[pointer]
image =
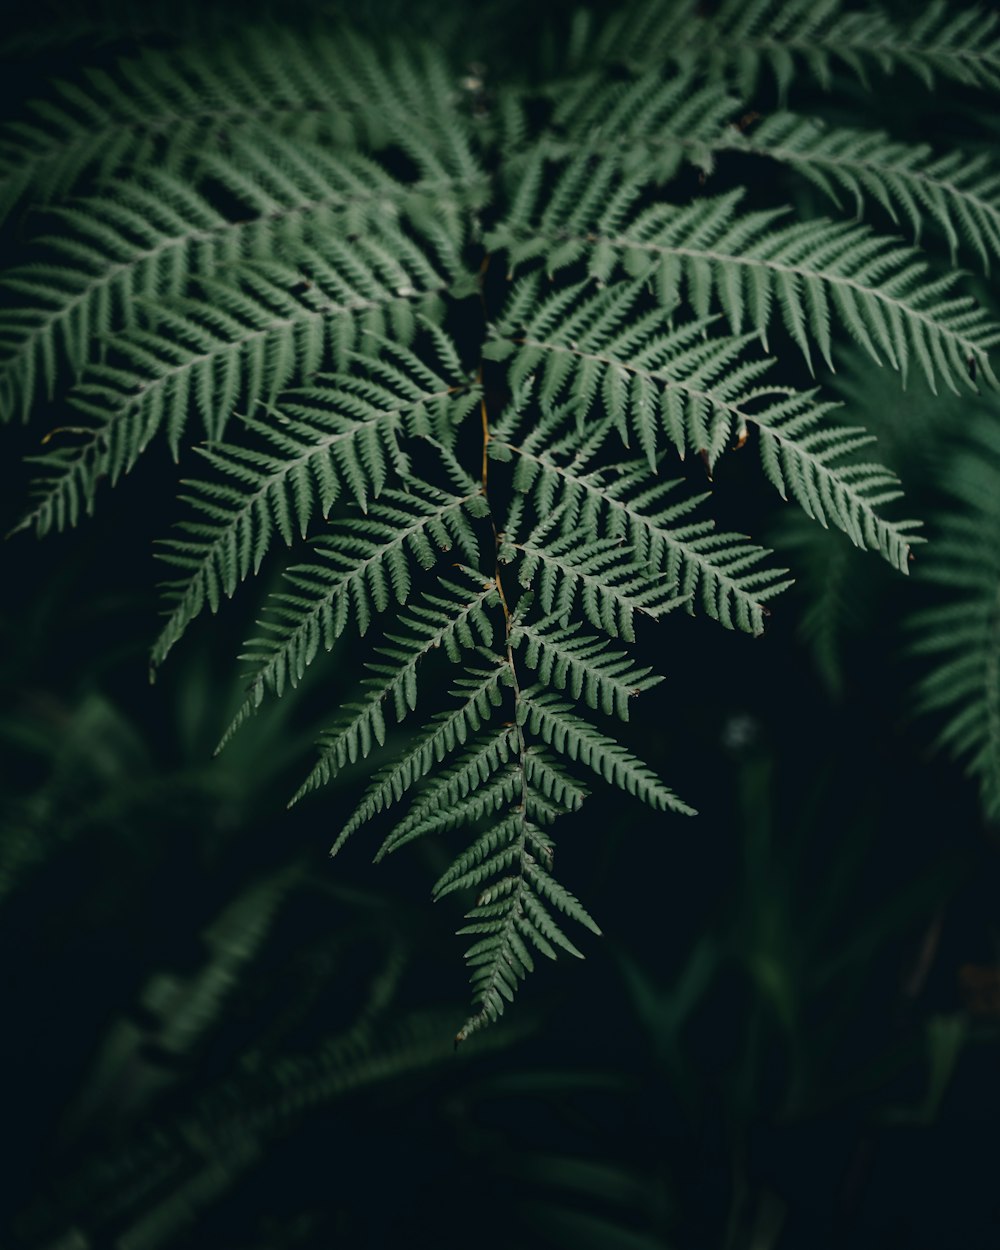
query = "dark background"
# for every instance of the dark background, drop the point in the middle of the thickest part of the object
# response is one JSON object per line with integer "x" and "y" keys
{"x": 214, "y": 1036}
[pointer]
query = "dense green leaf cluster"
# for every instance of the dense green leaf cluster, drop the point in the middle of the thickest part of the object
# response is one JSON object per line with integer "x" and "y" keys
{"x": 289, "y": 247}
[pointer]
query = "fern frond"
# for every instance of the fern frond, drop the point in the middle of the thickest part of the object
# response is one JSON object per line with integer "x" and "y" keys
{"x": 568, "y": 734}
{"x": 454, "y": 623}
{"x": 283, "y": 224}
{"x": 637, "y": 36}
{"x": 582, "y": 665}
{"x": 311, "y": 453}
{"x": 551, "y": 790}
{"x": 483, "y": 859}
{"x": 723, "y": 572}
{"x": 751, "y": 267}
{"x": 484, "y": 776}
{"x": 600, "y": 575}
{"x": 642, "y": 131}
{"x": 174, "y": 106}
{"x": 357, "y": 570}
{"x": 511, "y": 916}
{"x": 458, "y": 795}
{"x": 314, "y": 453}
{"x": 141, "y": 241}
{"x": 169, "y": 104}
{"x": 513, "y": 910}
{"x": 295, "y": 181}
{"x": 480, "y": 695}
{"x": 808, "y": 457}
{"x": 744, "y": 38}
{"x": 958, "y": 191}
{"x": 428, "y": 816}
{"x": 147, "y": 239}
{"x": 646, "y": 129}
{"x": 698, "y": 391}
{"x": 468, "y": 791}
{"x": 239, "y": 343}
{"x": 961, "y": 636}
{"x": 497, "y": 769}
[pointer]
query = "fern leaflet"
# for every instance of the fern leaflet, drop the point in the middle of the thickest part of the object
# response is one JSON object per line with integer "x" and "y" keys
{"x": 357, "y": 570}
{"x": 149, "y": 240}
{"x": 962, "y": 634}
{"x": 750, "y": 265}
{"x": 741, "y": 40}
{"x": 958, "y": 191}
{"x": 697, "y": 391}
{"x": 239, "y": 342}
{"x": 338, "y": 434}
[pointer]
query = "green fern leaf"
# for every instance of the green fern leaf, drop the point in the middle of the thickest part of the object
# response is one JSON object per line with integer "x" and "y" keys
{"x": 241, "y": 342}
{"x": 427, "y": 817}
{"x": 149, "y": 240}
{"x": 743, "y": 38}
{"x": 306, "y": 226}
{"x": 722, "y": 572}
{"x": 315, "y": 452}
{"x": 962, "y": 634}
{"x": 479, "y": 781}
{"x": 480, "y": 695}
{"x": 959, "y": 192}
{"x": 570, "y": 735}
{"x": 601, "y": 576}
{"x": 704, "y": 393}
{"x": 644, "y": 130}
{"x": 454, "y": 623}
{"x": 582, "y": 666}
{"x": 750, "y": 265}
{"x": 174, "y": 106}
{"x": 358, "y": 570}
{"x": 510, "y": 917}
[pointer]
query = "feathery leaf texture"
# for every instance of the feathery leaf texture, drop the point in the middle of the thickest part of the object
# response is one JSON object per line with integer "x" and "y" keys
{"x": 744, "y": 38}
{"x": 961, "y": 193}
{"x": 308, "y": 228}
{"x": 723, "y": 572}
{"x": 961, "y": 634}
{"x": 239, "y": 342}
{"x": 752, "y": 266}
{"x": 572, "y": 736}
{"x": 582, "y": 665}
{"x": 149, "y": 239}
{"x": 434, "y": 621}
{"x": 480, "y": 693}
{"x": 512, "y": 917}
{"x": 165, "y": 108}
{"x": 697, "y": 391}
{"x": 358, "y": 569}
{"x": 341, "y": 434}
{"x": 609, "y": 585}
{"x": 640, "y": 132}
{"x": 645, "y": 128}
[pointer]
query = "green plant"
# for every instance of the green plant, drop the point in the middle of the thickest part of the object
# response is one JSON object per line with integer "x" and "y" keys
{"x": 963, "y": 633}
{"x": 311, "y": 228}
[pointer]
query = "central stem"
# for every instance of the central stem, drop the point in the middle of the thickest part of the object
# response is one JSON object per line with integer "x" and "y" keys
{"x": 522, "y": 764}
{"x": 498, "y": 578}
{"x": 504, "y": 604}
